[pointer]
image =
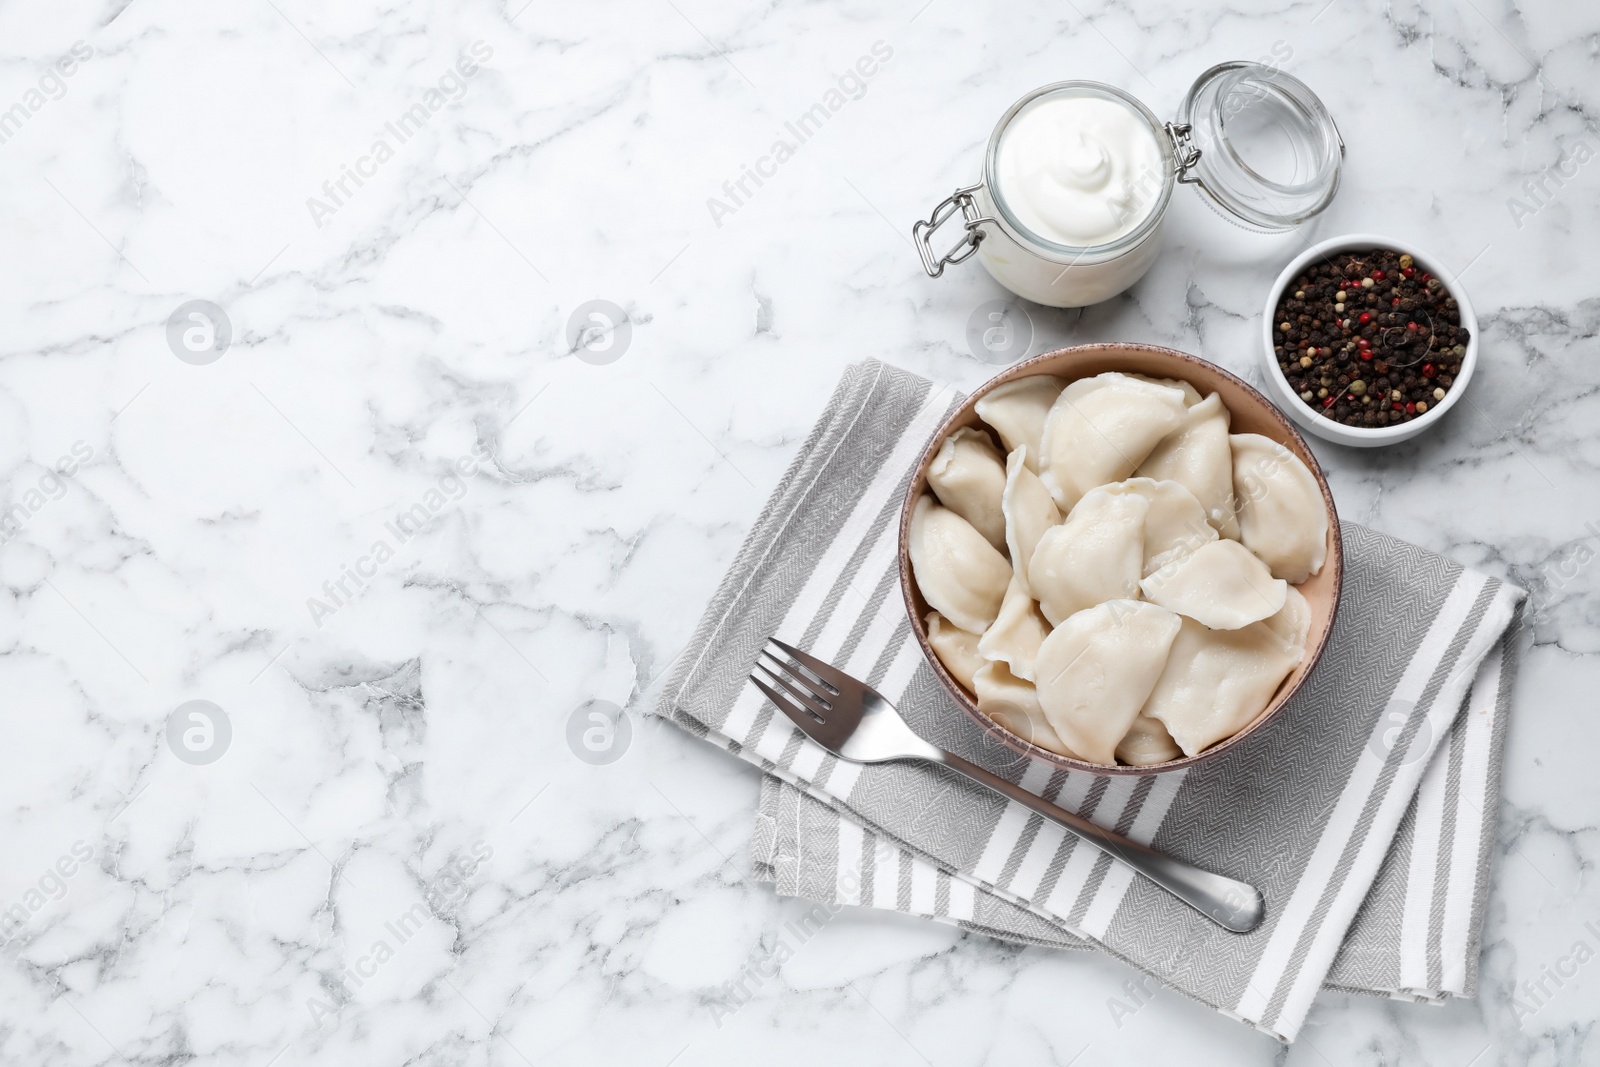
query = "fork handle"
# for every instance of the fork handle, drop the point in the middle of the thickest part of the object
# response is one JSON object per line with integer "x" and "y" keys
{"x": 1232, "y": 904}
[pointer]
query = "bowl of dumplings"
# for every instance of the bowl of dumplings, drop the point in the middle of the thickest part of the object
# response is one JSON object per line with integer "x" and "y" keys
{"x": 1119, "y": 558}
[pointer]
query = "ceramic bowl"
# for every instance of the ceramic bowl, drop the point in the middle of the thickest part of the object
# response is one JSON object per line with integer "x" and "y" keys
{"x": 1251, "y": 413}
{"x": 1338, "y": 432}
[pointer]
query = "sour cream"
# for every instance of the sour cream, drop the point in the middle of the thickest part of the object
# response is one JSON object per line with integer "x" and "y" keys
{"x": 1079, "y": 170}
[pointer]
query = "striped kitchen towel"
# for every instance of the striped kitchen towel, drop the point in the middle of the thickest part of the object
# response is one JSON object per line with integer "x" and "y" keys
{"x": 1322, "y": 810}
{"x": 1431, "y": 888}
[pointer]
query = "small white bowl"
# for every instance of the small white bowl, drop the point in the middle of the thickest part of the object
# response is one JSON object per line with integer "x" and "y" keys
{"x": 1338, "y": 432}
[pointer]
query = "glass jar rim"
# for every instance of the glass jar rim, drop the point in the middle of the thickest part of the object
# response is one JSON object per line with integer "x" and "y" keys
{"x": 1228, "y": 181}
{"x": 1053, "y": 250}
{"x": 1227, "y": 144}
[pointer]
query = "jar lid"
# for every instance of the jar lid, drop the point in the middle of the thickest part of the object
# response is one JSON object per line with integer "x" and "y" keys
{"x": 1259, "y": 144}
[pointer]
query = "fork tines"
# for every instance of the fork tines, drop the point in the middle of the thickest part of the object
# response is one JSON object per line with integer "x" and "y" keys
{"x": 804, "y": 688}
{"x": 790, "y": 690}
{"x": 824, "y": 675}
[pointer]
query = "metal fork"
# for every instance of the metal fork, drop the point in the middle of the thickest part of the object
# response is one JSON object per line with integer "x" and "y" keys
{"x": 854, "y": 722}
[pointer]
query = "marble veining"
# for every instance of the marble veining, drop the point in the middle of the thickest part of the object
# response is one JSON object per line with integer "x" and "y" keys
{"x": 432, "y": 512}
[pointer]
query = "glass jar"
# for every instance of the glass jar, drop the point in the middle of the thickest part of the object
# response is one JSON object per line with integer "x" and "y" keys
{"x": 1257, "y": 142}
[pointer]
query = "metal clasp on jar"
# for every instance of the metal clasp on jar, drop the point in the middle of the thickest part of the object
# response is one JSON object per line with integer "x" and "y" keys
{"x": 961, "y": 200}
{"x": 1185, "y": 152}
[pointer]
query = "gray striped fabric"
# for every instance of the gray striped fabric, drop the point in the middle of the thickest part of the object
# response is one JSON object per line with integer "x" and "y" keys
{"x": 1430, "y": 956}
{"x": 1308, "y": 810}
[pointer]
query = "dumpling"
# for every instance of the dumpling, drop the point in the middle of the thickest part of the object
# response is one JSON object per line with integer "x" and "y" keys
{"x": 1191, "y": 395}
{"x": 1282, "y": 518}
{"x": 1014, "y": 704}
{"x": 1096, "y": 670}
{"x": 1100, "y": 429}
{"x": 960, "y": 574}
{"x": 1016, "y": 411}
{"x": 1220, "y": 584}
{"x": 1017, "y": 632}
{"x": 1197, "y": 456}
{"x": 968, "y": 478}
{"x": 1147, "y": 743}
{"x": 1293, "y": 620}
{"x": 1028, "y": 509}
{"x": 1096, "y": 555}
{"x": 1217, "y": 681}
{"x": 956, "y": 649}
{"x": 1174, "y": 526}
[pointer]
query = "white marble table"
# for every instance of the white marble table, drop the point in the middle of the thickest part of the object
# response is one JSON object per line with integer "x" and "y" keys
{"x": 398, "y": 858}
